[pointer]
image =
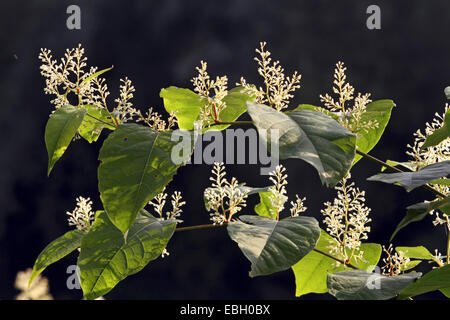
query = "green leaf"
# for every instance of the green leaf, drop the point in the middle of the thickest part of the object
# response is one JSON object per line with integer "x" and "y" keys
{"x": 441, "y": 182}
{"x": 273, "y": 246}
{"x": 434, "y": 280}
{"x": 235, "y": 107}
{"x": 105, "y": 257}
{"x": 310, "y": 136}
{"x": 311, "y": 271}
{"x": 412, "y": 180}
{"x": 407, "y": 164}
{"x": 265, "y": 208}
{"x": 188, "y": 104}
{"x": 136, "y": 165}
{"x": 419, "y": 211}
{"x": 445, "y": 292}
{"x": 185, "y": 103}
{"x": 90, "y": 129}
{"x": 56, "y": 250}
{"x": 419, "y": 252}
{"x": 379, "y": 111}
{"x": 438, "y": 135}
{"x": 363, "y": 285}
{"x": 95, "y": 75}
{"x": 60, "y": 130}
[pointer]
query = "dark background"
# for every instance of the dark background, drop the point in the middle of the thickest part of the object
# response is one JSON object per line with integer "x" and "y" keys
{"x": 158, "y": 44}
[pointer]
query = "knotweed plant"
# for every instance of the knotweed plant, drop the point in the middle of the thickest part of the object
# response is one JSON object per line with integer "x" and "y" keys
{"x": 137, "y": 164}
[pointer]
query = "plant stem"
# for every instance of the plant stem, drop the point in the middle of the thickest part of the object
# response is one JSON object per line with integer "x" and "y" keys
{"x": 210, "y": 226}
{"x": 384, "y": 164}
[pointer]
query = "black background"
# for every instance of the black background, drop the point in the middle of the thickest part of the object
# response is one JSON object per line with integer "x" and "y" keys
{"x": 158, "y": 44}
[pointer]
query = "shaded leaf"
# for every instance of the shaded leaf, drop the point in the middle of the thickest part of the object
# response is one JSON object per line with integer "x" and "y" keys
{"x": 136, "y": 165}
{"x": 273, "y": 246}
{"x": 56, "y": 250}
{"x": 60, "y": 130}
{"x": 310, "y": 136}
{"x": 412, "y": 180}
{"x": 363, "y": 285}
{"x": 105, "y": 257}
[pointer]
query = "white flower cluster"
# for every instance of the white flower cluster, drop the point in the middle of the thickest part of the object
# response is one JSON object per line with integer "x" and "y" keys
{"x": 176, "y": 202}
{"x": 394, "y": 263}
{"x": 346, "y": 219}
{"x": 82, "y": 216}
{"x": 278, "y": 198}
{"x": 278, "y": 89}
{"x": 68, "y": 77}
{"x": 349, "y": 116}
{"x": 434, "y": 154}
{"x": 38, "y": 290}
{"x": 225, "y": 198}
{"x": 203, "y": 85}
